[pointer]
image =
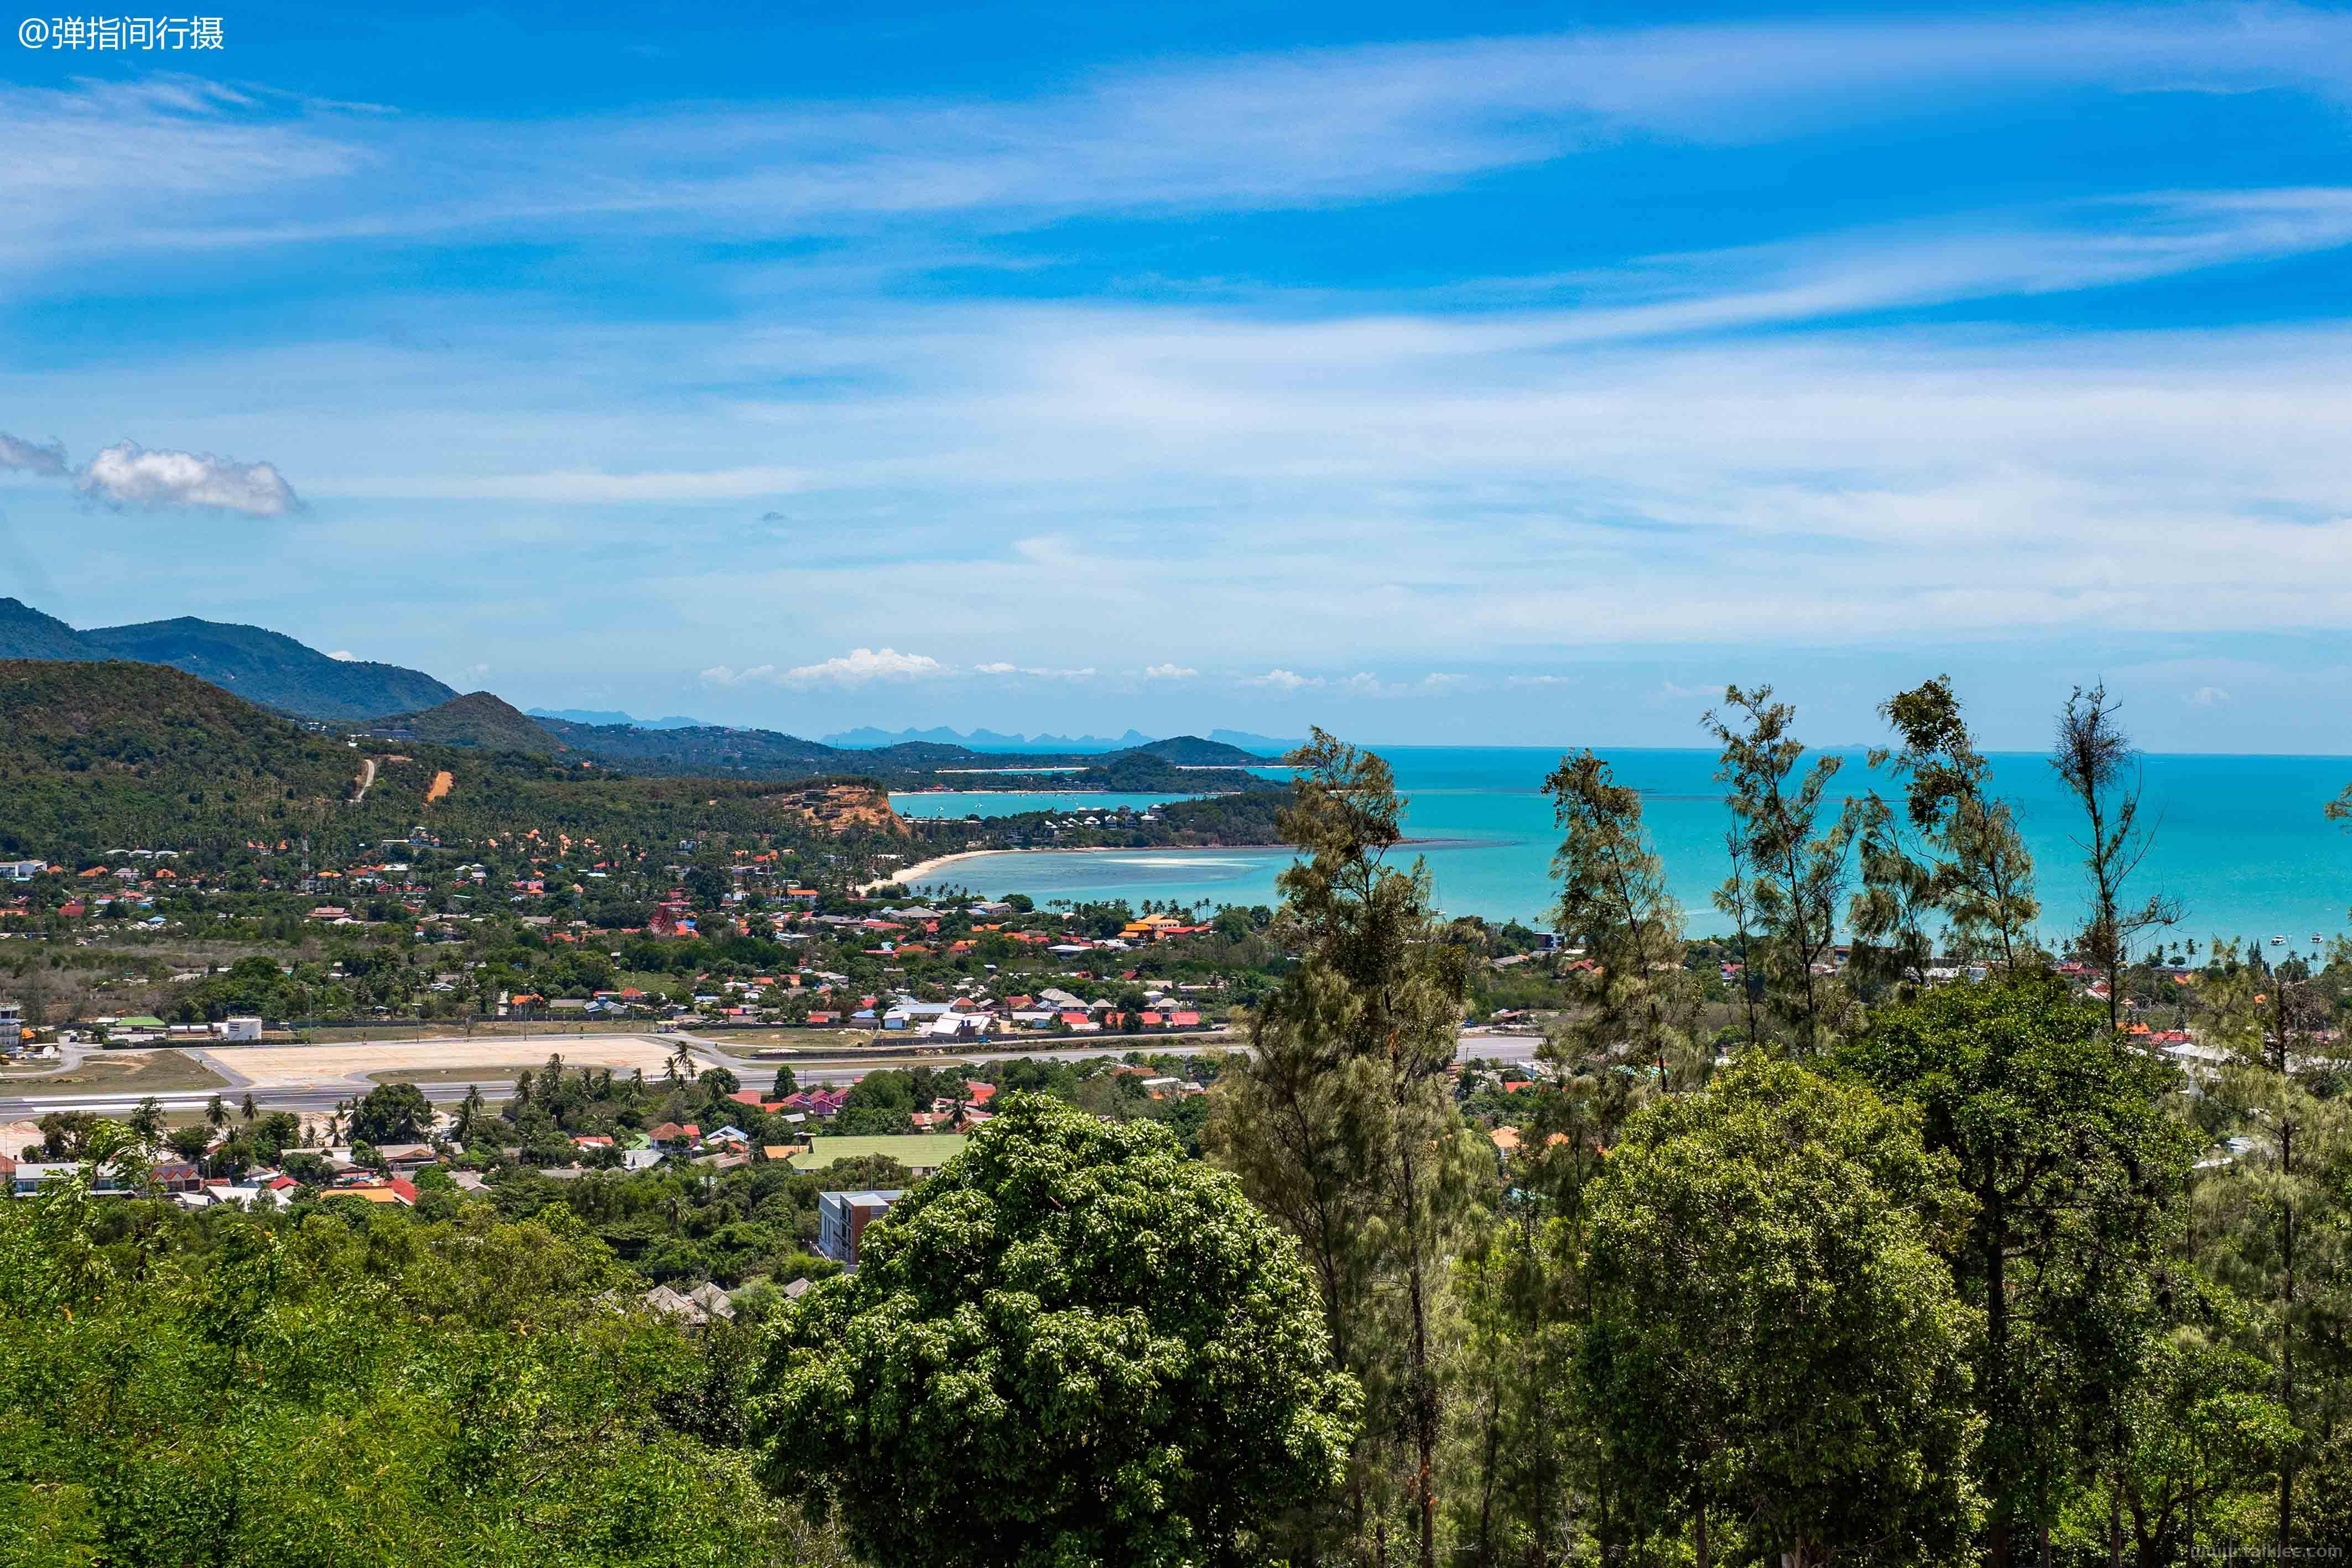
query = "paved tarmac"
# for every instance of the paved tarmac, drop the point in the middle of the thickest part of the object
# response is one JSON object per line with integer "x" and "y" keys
{"x": 325, "y": 1093}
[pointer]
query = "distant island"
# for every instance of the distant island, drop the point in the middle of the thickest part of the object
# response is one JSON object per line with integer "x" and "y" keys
{"x": 611, "y": 716}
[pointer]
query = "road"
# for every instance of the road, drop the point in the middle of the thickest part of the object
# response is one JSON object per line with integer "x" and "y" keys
{"x": 326, "y": 1094}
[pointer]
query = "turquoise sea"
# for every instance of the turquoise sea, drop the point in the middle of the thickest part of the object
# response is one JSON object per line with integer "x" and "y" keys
{"x": 2240, "y": 841}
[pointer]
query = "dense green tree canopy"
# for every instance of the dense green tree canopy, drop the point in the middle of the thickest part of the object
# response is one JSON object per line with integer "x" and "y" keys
{"x": 348, "y": 1386}
{"x": 392, "y": 1114}
{"x": 2063, "y": 1142}
{"x": 1775, "y": 1338}
{"x": 1070, "y": 1345}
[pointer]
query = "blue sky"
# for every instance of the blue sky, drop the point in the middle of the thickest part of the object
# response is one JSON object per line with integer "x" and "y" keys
{"x": 1501, "y": 373}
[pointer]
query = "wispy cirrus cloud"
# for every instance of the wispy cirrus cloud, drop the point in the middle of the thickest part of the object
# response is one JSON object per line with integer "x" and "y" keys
{"x": 586, "y": 486}
{"x": 25, "y": 456}
{"x": 1289, "y": 128}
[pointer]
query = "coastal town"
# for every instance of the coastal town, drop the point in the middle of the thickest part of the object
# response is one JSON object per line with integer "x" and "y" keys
{"x": 1238, "y": 785}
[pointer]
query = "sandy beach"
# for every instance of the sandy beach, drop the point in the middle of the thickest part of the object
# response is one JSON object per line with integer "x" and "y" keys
{"x": 920, "y": 868}
{"x": 924, "y": 868}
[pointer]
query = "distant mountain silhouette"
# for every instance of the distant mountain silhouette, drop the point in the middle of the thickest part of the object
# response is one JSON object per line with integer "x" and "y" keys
{"x": 26, "y": 634}
{"x": 264, "y": 667}
{"x": 867, "y": 737}
{"x": 612, "y": 717}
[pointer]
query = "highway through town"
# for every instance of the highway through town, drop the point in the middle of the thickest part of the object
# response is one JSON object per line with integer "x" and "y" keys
{"x": 326, "y": 1092}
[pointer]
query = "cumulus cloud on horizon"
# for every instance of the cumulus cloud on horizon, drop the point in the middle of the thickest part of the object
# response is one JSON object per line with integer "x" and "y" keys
{"x": 860, "y": 665}
{"x": 1170, "y": 672}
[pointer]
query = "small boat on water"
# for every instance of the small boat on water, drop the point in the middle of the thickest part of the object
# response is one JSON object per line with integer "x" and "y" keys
{"x": 2278, "y": 941}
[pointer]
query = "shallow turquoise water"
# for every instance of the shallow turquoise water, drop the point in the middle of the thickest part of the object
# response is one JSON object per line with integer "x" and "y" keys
{"x": 1014, "y": 802}
{"x": 2238, "y": 840}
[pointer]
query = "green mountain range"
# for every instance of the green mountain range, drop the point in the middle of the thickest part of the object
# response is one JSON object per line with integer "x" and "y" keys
{"x": 273, "y": 670}
{"x": 119, "y": 755}
{"x": 264, "y": 667}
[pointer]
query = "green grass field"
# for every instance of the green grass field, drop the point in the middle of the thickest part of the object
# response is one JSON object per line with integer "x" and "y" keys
{"x": 131, "y": 1071}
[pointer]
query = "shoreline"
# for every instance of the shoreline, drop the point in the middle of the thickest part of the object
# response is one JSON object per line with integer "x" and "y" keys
{"x": 905, "y": 874}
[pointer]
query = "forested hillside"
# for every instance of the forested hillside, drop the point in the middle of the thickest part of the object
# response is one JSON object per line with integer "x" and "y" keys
{"x": 477, "y": 719}
{"x": 97, "y": 757}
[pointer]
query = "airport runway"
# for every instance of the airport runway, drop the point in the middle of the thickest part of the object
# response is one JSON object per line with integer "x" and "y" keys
{"x": 249, "y": 1067}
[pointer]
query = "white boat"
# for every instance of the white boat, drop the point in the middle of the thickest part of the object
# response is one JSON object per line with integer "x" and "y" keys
{"x": 2278, "y": 941}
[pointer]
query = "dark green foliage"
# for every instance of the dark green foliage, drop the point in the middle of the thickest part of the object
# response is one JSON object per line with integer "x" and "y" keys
{"x": 1775, "y": 1338}
{"x": 1070, "y": 1346}
{"x": 391, "y": 1113}
{"x": 2060, "y": 1138}
{"x": 351, "y": 1386}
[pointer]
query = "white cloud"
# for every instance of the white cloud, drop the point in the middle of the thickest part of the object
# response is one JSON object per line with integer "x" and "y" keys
{"x": 1169, "y": 673}
{"x": 50, "y": 461}
{"x": 127, "y": 475}
{"x": 585, "y": 486}
{"x": 1535, "y": 681}
{"x": 727, "y": 675}
{"x": 1284, "y": 129}
{"x": 2207, "y": 697}
{"x": 998, "y": 669}
{"x": 1282, "y": 680}
{"x": 344, "y": 655}
{"x": 1364, "y": 684}
{"x": 861, "y": 665}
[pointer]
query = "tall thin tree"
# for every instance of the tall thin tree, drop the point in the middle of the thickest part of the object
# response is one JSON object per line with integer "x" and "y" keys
{"x": 1798, "y": 853}
{"x": 2093, "y": 758}
{"x": 1640, "y": 1002}
{"x": 1342, "y": 1124}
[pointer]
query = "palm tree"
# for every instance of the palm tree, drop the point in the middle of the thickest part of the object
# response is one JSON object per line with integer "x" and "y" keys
{"x": 216, "y": 1113}
{"x": 248, "y": 1110}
